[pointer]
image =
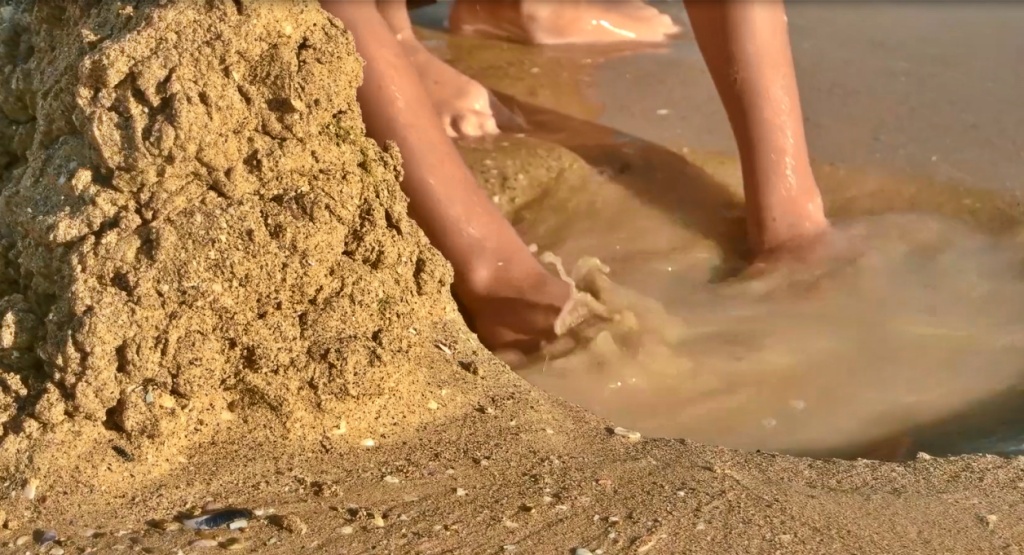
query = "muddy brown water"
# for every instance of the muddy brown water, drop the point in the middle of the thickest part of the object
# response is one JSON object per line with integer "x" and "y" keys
{"x": 913, "y": 344}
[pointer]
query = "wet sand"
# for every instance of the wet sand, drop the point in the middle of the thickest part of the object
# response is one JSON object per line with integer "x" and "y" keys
{"x": 914, "y": 88}
{"x": 467, "y": 456}
{"x": 919, "y": 332}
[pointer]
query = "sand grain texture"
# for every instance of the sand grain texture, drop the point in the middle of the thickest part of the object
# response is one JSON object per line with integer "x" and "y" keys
{"x": 207, "y": 265}
{"x": 194, "y": 226}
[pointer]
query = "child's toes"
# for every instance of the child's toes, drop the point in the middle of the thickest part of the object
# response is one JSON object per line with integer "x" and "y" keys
{"x": 474, "y": 124}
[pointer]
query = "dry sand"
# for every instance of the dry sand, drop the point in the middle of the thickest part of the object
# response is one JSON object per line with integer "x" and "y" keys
{"x": 212, "y": 295}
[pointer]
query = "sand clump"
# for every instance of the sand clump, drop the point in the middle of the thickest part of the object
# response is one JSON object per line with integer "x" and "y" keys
{"x": 195, "y": 228}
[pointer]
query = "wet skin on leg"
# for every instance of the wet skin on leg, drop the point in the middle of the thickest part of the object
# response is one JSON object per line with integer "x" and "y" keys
{"x": 511, "y": 301}
{"x": 463, "y": 104}
{"x": 747, "y": 51}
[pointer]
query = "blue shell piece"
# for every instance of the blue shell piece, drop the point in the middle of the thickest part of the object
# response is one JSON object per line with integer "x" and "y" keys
{"x": 47, "y": 536}
{"x": 216, "y": 519}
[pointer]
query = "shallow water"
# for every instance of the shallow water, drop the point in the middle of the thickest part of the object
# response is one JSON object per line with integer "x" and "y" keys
{"x": 912, "y": 341}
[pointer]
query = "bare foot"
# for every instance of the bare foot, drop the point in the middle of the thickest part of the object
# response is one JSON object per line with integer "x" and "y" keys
{"x": 464, "y": 105}
{"x": 565, "y": 22}
{"x": 826, "y": 247}
{"x": 804, "y": 266}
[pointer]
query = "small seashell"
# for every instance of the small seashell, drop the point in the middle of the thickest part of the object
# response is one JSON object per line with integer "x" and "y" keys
{"x": 22, "y": 540}
{"x": 628, "y": 434}
{"x": 217, "y": 519}
{"x": 30, "y": 489}
{"x": 167, "y": 401}
{"x": 432, "y": 405}
{"x": 391, "y": 480}
{"x": 581, "y": 551}
{"x": 346, "y": 530}
{"x": 203, "y": 542}
{"x": 238, "y": 524}
{"x": 460, "y": 492}
{"x": 378, "y": 521}
{"x": 47, "y": 536}
{"x": 368, "y": 442}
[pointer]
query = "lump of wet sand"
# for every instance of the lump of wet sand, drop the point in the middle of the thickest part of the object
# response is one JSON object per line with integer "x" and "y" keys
{"x": 192, "y": 225}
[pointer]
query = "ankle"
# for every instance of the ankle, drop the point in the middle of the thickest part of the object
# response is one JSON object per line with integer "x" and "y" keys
{"x": 797, "y": 229}
{"x": 784, "y": 207}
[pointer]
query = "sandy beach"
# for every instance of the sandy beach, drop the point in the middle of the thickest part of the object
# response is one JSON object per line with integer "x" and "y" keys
{"x": 211, "y": 296}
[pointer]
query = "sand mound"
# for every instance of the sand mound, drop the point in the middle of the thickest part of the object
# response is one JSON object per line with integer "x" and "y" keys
{"x": 195, "y": 227}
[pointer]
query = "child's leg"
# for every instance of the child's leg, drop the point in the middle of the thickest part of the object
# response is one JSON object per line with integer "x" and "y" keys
{"x": 563, "y": 21}
{"x": 510, "y": 298}
{"x": 746, "y": 47}
{"x": 462, "y": 104}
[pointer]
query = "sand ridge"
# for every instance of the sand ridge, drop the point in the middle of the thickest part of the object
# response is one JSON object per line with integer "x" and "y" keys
{"x": 199, "y": 227}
